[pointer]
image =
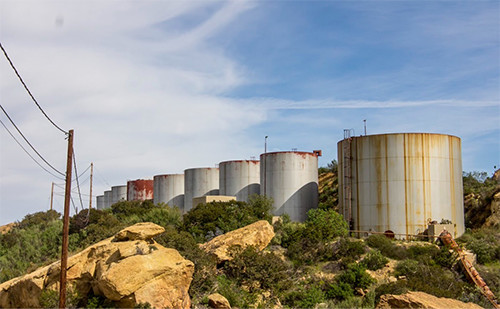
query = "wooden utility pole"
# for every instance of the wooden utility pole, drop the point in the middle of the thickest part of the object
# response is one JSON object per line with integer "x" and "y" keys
{"x": 51, "y": 196}
{"x": 64, "y": 250}
{"x": 91, "y": 174}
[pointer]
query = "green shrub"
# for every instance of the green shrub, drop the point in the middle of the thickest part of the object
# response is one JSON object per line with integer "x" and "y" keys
{"x": 394, "y": 288}
{"x": 206, "y": 221}
{"x": 41, "y": 218}
{"x": 304, "y": 297}
{"x": 325, "y": 225}
{"x": 236, "y": 296}
{"x": 338, "y": 291}
{"x": 348, "y": 248}
{"x": 257, "y": 270}
{"x": 356, "y": 276}
{"x": 374, "y": 260}
{"x": 386, "y": 246}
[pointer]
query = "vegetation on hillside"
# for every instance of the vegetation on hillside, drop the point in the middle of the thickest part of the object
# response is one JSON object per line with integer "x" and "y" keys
{"x": 306, "y": 264}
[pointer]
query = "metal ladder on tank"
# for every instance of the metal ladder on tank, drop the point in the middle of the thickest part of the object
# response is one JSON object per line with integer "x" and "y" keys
{"x": 347, "y": 183}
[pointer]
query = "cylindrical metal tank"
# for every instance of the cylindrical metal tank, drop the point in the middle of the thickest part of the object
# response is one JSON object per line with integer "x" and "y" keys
{"x": 108, "y": 199}
{"x": 100, "y": 202}
{"x": 169, "y": 189}
{"x": 400, "y": 182}
{"x": 140, "y": 190}
{"x": 118, "y": 193}
{"x": 239, "y": 178}
{"x": 199, "y": 182}
{"x": 291, "y": 179}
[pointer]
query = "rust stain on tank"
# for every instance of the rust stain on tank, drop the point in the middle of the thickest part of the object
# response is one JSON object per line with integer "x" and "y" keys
{"x": 140, "y": 189}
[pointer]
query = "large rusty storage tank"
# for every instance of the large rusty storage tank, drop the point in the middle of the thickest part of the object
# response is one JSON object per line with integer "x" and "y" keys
{"x": 118, "y": 193}
{"x": 199, "y": 182}
{"x": 107, "y": 199}
{"x": 140, "y": 190}
{"x": 239, "y": 178}
{"x": 290, "y": 178}
{"x": 401, "y": 182}
{"x": 169, "y": 189}
{"x": 100, "y": 202}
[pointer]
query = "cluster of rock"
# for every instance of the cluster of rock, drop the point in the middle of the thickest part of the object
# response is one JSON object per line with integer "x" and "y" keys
{"x": 131, "y": 268}
{"x": 422, "y": 300}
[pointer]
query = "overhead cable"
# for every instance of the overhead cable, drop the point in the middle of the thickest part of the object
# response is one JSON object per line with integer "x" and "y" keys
{"x": 11, "y": 121}
{"x": 29, "y": 153}
{"x": 29, "y": 92}
{"x": 77, "y": 178}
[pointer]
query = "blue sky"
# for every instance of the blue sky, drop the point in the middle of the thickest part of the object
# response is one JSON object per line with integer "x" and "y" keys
{"x": 156, "y": 87}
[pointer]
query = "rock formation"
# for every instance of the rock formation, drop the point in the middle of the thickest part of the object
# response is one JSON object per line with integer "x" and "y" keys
{"x": 422, "y": 300}
{"x": 218, "y": 301}
{"x": 129, "y": 269}
{"x": 258, "y": 234}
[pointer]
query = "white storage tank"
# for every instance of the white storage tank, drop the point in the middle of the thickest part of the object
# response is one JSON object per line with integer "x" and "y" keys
{"x": 240, "y": 178}
{"x": 140, "y": 190}
{"x": 199, "y": 182}
{"x": 100, "y": 202}
{"x": 400, "y": 182}
{"x": 290, "y": 178}
{"x": 107, "y": 199}
{"x": 169, "y": 189}
{"x": 118, "y": 193}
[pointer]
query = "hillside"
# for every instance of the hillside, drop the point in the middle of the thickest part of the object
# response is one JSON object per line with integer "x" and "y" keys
{"x": 305, "y": 265}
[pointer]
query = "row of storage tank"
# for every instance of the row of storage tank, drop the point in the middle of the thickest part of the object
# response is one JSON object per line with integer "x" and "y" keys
{"x": 289, "y": 178}
{"x": 396, "y": 183}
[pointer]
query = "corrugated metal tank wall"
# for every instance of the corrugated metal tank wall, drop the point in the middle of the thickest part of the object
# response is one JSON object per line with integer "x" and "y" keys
{"x": 199, "y": 182}
{"x": 108, "y": 196}
{"x": 169, "y": 189}
{"x": 140, "y": 190}
{"x": 118, "y": 193}
{"x": 240, "y": 178}
{"x": 291, "y": 180}
{"x": 100, "y": 202}
{"x": 399, "y": 182}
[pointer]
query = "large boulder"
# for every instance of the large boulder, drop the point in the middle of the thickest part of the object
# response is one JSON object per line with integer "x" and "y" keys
{"x": 422, "y": 300}
{"x": 258, "y": 234}
{"x": 218, "y": 301}
{"x": 129, "y": 269}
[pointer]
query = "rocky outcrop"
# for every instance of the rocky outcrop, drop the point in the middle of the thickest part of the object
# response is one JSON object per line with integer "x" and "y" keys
{"x": 258, "y": 234}
{"x": 129, "y": 269}
{"x": 218, "y": 301}
{"x": 422, "y": 300}
{"x": 4, "y": 229}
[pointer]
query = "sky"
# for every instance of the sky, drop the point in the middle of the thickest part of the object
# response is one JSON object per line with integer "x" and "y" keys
{"x": 156, "y": 87}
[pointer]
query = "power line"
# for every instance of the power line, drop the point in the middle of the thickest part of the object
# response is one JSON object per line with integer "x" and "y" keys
{"x": 77, "y": 179}
{"x": 11, "y": 121}
{"x": 29, "y": 92}
{"x": 29, "y": 153}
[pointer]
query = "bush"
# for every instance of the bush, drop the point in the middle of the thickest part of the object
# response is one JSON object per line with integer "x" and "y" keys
{"x": 304, "y": 297}
{"x": 352, "y": 249}
{"x": 41, "y": 219}
{"x": 325, "y": 225}
{"x": 338, "y": 291}
{"x": 374, "y": 260}
{"x": 356, "y": 276}
{"x": 485, "y": 243}
{"x": 234, "y": 294}
{"x": 257, "y": 270}
{"x": 393, "y": 288}
{"x": 386, "y": 246}
{"x": 206, "y": 221}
